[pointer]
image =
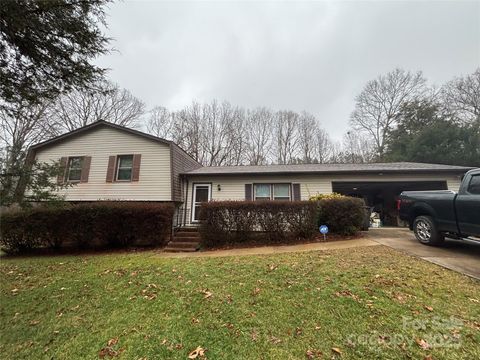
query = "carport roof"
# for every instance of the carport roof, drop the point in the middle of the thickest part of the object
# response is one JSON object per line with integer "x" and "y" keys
{"x": 394, "y": 167}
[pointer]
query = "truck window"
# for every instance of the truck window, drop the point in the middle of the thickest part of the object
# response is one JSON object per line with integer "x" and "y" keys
{"x": 474, "y": 185}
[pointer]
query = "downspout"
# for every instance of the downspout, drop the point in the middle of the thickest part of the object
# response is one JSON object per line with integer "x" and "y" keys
{"x": 185, "y": 202}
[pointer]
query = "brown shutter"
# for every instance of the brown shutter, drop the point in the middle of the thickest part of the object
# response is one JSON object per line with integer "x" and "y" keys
{"x": 85, "y": 168}
{"x": 111, "y": 168}
{"x": 296, "y": 192}
{"x": 248, "y": 192}
{"x": 137, "y": 159}
{"x": 63, "y": 167}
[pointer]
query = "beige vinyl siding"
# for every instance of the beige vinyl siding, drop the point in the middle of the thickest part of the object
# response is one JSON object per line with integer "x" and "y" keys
{"x": 155, "y": 180}
{"x": 233, "y": 187}
{"x": 181, "y": 163}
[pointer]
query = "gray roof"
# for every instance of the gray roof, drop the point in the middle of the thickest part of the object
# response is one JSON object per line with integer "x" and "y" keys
{"x": 394, "y": 167}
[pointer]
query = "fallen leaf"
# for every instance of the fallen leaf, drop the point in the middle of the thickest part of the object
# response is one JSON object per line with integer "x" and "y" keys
{"x": 255, "y": 291}
{"x": 199, "y": 352}
{"x": 337, "y": 351}
{"x": 206, "y": 294}
{"x": 312, "y": 354}
{"x": 112, "y": 342}
{"x": 429, "y": 308}
{"x": 34, "y": 322}
{"x": 275, "y": 340}
{"x": 272, "y": 267}
{"x": 474, "y": 300}
{"x": 423, "y": 344}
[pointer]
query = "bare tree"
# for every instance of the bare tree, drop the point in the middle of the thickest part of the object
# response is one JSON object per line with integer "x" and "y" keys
{"x": 161, "y": 123}
{"x": 323, "y": 146}
{"x": 19, "y": 129}
{"x": 286, "y": 136}
{"x": 259, "y": 124}
{"x": 378, "y": 104}
{"x": 357, "y": 148}
{"x": 307, "y": 137}
{"x": 461, "y": 97}
{"x": 106, "y": 102}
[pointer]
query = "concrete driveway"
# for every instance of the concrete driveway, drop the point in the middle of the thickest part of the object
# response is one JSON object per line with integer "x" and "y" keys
{"x": 461, "y": 256}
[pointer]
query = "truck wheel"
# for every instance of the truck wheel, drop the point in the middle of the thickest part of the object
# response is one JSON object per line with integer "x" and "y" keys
{"x": 426, "y": 231}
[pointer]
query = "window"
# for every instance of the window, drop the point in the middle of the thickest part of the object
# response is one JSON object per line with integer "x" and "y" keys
{"x": 272, "y": 192}
{"x": 281, "y": 191}
{"x": 262, "y": 191}
{"x": 124, "y": 167}
{"x": 474, "y": 185}
{"x": 74, "y": 168}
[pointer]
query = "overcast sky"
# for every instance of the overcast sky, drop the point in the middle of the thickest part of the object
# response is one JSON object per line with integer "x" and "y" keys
{"x": 313, "y": 56}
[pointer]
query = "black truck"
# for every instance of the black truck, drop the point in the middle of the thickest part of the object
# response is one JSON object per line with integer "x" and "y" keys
{"x": 432, "y": 215}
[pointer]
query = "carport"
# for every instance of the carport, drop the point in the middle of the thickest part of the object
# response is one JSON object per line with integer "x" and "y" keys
{"x": 382, "y": 195}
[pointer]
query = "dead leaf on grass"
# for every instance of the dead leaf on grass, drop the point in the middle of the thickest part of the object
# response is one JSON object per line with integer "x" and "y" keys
{"x": 429, "y": 308}
{"x": 256, "y": 291}
{"x": 336, "y": 350}
{"x": 274, "y": 340}
{"x": 199, "y": 352}
{"x": 312, "y": 354}
{"x": 423, "y": 344}
{"x": 206, "y": 294}
{"x": 34, "y": 322}
{"x": 112, "y": 342}
{"x": 272, "y": 267}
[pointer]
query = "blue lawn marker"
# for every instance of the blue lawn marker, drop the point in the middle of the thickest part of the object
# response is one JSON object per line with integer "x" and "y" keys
{"x": 324, "y": 230}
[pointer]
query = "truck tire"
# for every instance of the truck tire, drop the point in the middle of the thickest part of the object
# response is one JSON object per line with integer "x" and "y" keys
{"x": 426, "y": 231}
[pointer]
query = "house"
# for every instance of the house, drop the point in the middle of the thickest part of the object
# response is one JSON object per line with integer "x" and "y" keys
{"x": 112, "y": 162}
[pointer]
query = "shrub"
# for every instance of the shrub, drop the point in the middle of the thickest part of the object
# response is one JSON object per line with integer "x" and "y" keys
{"x": 342, "y": 214}
{"x": 226, "y": 222}
{"x": 326, "y": 196}
{"x": 86, "y": 225}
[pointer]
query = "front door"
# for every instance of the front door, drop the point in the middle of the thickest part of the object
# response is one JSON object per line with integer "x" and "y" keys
{"x": 201, "y": 193}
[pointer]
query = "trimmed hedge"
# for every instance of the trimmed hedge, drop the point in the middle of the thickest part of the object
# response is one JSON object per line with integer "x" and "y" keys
{"x": 226, "y": 222}
{"x": 343, "y": 215}
{"x": 97, "y": 225}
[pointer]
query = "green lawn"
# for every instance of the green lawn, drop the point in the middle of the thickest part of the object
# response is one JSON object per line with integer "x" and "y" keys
{"x": 369, "y": 303}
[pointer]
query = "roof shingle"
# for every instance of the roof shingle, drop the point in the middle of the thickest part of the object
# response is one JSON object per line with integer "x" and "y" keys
{"x": 397, "y": 167}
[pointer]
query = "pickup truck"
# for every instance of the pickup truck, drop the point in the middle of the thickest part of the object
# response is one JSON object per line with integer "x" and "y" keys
{"x": 432, "y": 215}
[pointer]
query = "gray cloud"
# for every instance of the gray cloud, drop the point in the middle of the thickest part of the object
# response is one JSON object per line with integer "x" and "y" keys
{"x": 313, "y": 56}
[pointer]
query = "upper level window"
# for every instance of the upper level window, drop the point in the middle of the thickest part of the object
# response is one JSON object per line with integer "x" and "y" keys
{"x": 272, "y": 192}
{"x": 124, "y": 167}
{"x": 281, "y": 191}
{"x": 474, "y": 185}
{"x": 262, "y": 191}
{"x": 74, "y": 169}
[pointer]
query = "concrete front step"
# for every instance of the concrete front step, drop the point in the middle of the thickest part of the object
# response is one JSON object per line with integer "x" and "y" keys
{"x": 175, "y": 249}
{"x": 186, "y": 239}
{"x": 184, "y": 244}
{"x": 187, "y": 234}
{"x": 188, "y": 229}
